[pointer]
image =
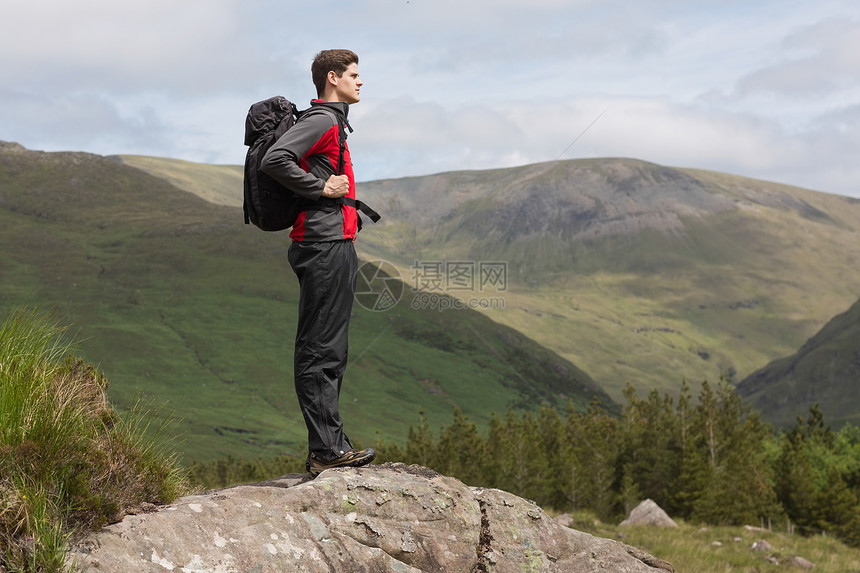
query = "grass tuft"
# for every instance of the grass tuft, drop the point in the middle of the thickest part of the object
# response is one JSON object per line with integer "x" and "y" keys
{"x": 726, "y": 549}
{"x": 68, "y": 462}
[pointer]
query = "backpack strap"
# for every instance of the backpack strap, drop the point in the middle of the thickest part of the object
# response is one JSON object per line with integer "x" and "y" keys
{"x": 321, "y": 204}
{"x": 326, "y": 203}
{"x": 341, "y": 122}
{"x": 360, "y": 206}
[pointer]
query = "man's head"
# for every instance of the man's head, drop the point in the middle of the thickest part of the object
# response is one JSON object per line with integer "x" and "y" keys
{"x": 335, "y": 75}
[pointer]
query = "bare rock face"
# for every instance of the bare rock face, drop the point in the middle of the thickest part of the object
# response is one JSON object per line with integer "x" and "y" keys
{"x": 389, "y": 517}
{"x": 649, "y": 513}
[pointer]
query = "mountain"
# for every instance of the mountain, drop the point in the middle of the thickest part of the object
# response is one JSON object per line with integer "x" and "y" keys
{"x": 219, "y": 184}
{"x": 636, "y": 272}
{"x": 825, "y": 370}
{"x": 181, "y": 304}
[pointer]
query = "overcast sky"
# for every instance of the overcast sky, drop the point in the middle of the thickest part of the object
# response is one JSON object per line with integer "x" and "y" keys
{"x": 761, "y": 88}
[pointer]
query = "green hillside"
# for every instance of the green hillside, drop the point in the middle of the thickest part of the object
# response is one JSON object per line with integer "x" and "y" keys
{"x": 826, "y": 370}
{"x": 175, "y": 299}
{"x": 219, "y": 184}
{"x": 636, "y": 272}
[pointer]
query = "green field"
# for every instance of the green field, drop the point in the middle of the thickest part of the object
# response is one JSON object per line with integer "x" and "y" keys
{"x": 176, "y": 300}
{"x": 637, "y": 273}
{"x": 723, "y": 549}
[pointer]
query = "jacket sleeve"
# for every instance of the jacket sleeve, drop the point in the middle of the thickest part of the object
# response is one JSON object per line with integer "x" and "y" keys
{"x": 281, "y": 162}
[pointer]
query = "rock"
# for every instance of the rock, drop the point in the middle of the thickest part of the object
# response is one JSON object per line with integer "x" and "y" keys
{"x": 649, "y": 513}
{"x": 565, "y": 519}
{"x": 801, "y": 563}
{"x": 762, "y": 546}
{"x": 11, "y": 147}
{"x": 389, "y": 517}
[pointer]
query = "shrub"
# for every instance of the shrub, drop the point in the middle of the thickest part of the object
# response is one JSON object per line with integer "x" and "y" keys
{"x": 68, "y": 461}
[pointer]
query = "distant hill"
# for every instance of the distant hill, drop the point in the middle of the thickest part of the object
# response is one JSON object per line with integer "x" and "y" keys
{"x": 179, "y": 302}
{"x": 219, "y": 184}
{"x": 826, "y": 370}
{"x": 635, "y": 272}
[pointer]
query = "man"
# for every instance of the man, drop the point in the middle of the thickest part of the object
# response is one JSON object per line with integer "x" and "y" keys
{"x": 312, "y": 160}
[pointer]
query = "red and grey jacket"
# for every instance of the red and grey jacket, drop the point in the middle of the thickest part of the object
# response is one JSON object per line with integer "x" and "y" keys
{"x": 303, "y": 159}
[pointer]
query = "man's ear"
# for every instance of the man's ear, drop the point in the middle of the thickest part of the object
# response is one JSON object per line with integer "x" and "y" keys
{"x": 332, "y": 78}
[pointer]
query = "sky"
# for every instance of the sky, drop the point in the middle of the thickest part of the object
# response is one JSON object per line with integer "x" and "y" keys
{"x": 762, "y": 88}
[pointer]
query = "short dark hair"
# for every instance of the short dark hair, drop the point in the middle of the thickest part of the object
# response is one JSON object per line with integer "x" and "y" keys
{"x": 336, "y": 61}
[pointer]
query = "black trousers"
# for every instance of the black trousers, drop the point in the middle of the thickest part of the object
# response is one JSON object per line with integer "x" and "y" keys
{"x": 326, "y": 273}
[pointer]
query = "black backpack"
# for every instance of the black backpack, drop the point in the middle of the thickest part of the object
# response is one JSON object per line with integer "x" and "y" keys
{"x": 268, "y": 204}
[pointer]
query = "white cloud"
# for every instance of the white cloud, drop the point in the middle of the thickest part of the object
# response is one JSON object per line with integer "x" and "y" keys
{"x": 766, "y": 88}
{"x": 414, "y": 138}
{"x": 819, "y": 59}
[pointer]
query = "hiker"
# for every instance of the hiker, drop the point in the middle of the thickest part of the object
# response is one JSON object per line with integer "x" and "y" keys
{"x": 312, "y": 160}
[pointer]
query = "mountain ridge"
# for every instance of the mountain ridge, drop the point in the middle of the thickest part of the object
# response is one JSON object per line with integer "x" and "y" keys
{"x": 638, "y": 272}
{"x": 178, "y": 301}
{"x": 823, "y": 371}
{"x": 603, "y": 239}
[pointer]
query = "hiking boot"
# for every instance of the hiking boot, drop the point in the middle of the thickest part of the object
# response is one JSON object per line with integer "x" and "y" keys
{"x": 351, "y": 459}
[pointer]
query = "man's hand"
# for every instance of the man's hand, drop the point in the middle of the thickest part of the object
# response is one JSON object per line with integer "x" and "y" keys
{"x": 336, "y": 186}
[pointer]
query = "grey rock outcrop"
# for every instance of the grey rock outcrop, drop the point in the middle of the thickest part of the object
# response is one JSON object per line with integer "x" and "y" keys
{"x": 649, "y": 513}
{"x": 762, "y": 546}
{"x": 390, "y": 517}
{"x": 801, "y": 563}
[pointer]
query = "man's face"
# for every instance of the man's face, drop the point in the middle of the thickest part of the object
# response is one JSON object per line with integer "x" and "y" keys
{"x": 348, "y": 85}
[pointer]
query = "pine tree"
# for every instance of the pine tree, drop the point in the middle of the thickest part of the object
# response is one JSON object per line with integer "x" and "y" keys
{"x": 420, "y": 446}
{"x": 795, "y": 481}
{"x": 813, "y": 471}
{"x": 459, "y": 450}
{"x": 839, "y": 510}
{"x": 522, "y": 463}
{"x": 594, "y": 447}
{"x": 558, "y": 455}
{"x": 735, "y": 479}
{"x": 494, "y": 450}
{"x": 692, "y": 477}
{"x": 650, "y": 445}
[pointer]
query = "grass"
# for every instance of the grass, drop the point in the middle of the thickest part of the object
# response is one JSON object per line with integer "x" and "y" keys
{"x": 220, "y": 184}
{"x": 725, "y": 291}
{"x": 176, "y": 300}
{"x": 710, "y": 549}
{"x": 68, "y": 462}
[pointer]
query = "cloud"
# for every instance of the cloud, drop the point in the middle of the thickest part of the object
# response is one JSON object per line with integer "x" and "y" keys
{"x": 766, "y": 89}
{"x": 93, "y": 46}
{"x": 75, "y": 122}
{"x": 404, "y": 137}
{"x": 818, "y": 59}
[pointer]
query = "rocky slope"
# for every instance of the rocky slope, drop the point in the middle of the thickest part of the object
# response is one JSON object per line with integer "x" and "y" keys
{"x": 637, "y": 272}
{"x": 824, "y": 371}
{"x": 390, "y": 517}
